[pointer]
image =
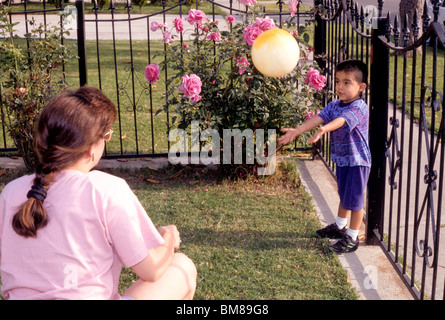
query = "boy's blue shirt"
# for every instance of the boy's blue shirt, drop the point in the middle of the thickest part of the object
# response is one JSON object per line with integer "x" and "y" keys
{"x": 349, "y": 144}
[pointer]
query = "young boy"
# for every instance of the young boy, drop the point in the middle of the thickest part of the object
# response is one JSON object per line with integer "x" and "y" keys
{"x": 347, "y": 119}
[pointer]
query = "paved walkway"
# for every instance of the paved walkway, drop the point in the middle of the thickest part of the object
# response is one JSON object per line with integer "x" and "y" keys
{"x": 369, "y": 270}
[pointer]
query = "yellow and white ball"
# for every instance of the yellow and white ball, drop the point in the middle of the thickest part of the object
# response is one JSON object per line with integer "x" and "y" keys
{"x": 275, "y": 53}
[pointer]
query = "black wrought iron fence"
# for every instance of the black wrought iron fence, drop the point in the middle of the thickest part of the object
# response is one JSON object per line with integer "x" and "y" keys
{"x": 406, "y": 186}
{"x": 114, "y": 44}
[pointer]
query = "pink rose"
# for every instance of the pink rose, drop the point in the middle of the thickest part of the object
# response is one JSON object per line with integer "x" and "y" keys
{"x": 230, "y": 19}
{"x": 293, "y": 7}
{"x": 248, "y": 2}
{"x": 196, "y": 17}
{"x": 179, "y": 25}
{"x": 156, "y": 25}
{"x": 315, "y": 79}
{"x": 311, "y": 115}
{"x": 167, "y": 37}
{"x": 152, "y": 73}
{"x": 242, "y": 63}
{"x": 215, "y": 36}
{"x": 191, "y": 87}
{"x": 251, "y": 33}
{"x": 22, "y": 91}
{"x": 264, "y": 24}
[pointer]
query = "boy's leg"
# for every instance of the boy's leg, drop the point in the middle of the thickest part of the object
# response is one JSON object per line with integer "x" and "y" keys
{"x": 356, "y": 220}
{"x": 342, "y": 216}
{"x": 355, "y": 223}
{"x": 350, "y": 242}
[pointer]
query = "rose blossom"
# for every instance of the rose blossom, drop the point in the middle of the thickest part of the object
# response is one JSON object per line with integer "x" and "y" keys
{"x": 196, "y": 17}
{"x": 230, "y": 19}
{"x": 22, "y": 91}
{"x": 311, "y": 115}
{"x": 315, "y": 79}
{"x": 152, "y": 73}
{"x": 251, "y": 33}
{"x": 156, "y": 25}
{"x": 264, "y": 24}
{"x": 167, "y": 37}
{"x": 254, "y": 30}
{"x": 179, "y": 25}
{"x": 293, "y": 7}
{"x": 191, "y": 87}
{"x": 248, "y": 2}
{"x": 242, "y": 63}
{"x": 215, "y": 36}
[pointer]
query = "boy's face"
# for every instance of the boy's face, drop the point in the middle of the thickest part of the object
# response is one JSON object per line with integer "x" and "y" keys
{"x": 347, "y": 87}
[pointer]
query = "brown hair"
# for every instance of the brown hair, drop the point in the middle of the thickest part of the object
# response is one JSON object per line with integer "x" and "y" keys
{"x": 67, "y": 127}
{"x": 358, "y": 67}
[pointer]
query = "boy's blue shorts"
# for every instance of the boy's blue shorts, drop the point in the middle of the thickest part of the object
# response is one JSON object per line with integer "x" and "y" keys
{"x": 351, "y": 183}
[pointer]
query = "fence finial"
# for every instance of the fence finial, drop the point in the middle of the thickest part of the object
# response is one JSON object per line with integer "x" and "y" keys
{"x": 425, "y": 17}
{"x": 112, "y": 6}
{"x": 95, "y": 6}
{"x": 128, "y": 6}
{"x": 381, "y": 2}
{"x": 406, "y": 31}
{"x": 415, "y": 26}
{"x": 396, "y": 31}
{"x": 388, "y": 28}
{"x": 435, "y": 10}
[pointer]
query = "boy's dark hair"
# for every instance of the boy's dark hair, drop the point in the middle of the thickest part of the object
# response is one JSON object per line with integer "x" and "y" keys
{"x": 358, "y": 67}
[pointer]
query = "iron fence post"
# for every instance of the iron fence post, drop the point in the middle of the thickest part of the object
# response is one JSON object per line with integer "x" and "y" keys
{"x": 319, "y": 38}
{"x": 379, "y": 84}
{"x": 81, "y": 44}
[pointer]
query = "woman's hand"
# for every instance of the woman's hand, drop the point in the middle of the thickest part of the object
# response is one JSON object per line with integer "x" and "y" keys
{"x": 170, "y": 233}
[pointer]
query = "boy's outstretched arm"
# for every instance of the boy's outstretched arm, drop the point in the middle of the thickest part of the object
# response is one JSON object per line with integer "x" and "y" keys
{"x": 331, "y": 126}
{"x": 292, "y": 133}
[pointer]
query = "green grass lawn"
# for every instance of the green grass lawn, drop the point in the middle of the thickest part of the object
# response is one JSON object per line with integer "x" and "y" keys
{"x": 250, "y": 239}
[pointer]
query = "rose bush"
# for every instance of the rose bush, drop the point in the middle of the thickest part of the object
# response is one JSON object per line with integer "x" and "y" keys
{"x": 31, "y": 74}
{"x": 213, "y": 81}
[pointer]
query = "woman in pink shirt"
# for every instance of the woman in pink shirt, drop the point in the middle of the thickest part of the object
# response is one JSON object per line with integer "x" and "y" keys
{"x": 66, "y": 230}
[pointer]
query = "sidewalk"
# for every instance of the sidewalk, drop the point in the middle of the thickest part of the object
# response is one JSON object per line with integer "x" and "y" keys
{"x": 369, "y": 270}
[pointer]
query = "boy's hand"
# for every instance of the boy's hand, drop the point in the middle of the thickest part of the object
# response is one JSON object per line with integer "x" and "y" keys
{"x": 317, "y": 135}
{"x": 289, "y": 136}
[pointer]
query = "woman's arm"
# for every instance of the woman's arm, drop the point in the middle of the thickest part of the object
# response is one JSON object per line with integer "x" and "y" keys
{"x": 159, "y": 258}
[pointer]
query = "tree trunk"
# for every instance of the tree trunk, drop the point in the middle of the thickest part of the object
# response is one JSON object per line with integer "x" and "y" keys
{"x": 407, "y": 9}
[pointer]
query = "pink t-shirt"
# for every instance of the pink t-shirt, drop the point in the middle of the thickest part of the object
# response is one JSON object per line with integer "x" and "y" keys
{"x": 96, "y": 224}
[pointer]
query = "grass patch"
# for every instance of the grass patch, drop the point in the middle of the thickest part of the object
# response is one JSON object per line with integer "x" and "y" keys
{"x": 250, "y": 239}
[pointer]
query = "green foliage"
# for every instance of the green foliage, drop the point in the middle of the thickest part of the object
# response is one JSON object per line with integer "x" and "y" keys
{"x": 231, "y": 99}
{"x": 32, "y": 74}
{"x": 103, "y": 4}
{"x": 140, "y": 3}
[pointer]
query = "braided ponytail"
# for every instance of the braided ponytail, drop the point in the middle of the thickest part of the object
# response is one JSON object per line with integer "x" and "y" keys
{"x": 68, "y": 125}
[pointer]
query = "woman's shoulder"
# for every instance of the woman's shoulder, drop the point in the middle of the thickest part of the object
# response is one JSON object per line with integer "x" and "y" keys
{"x": 106, "y": 182}
{"x": 101, "y": 178}
{"x": 18, "y": 184}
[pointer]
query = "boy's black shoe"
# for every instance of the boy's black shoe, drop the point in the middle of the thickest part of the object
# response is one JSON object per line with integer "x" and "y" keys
{"x": 345, "y": 245}
{"x": 331, "y": 231}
